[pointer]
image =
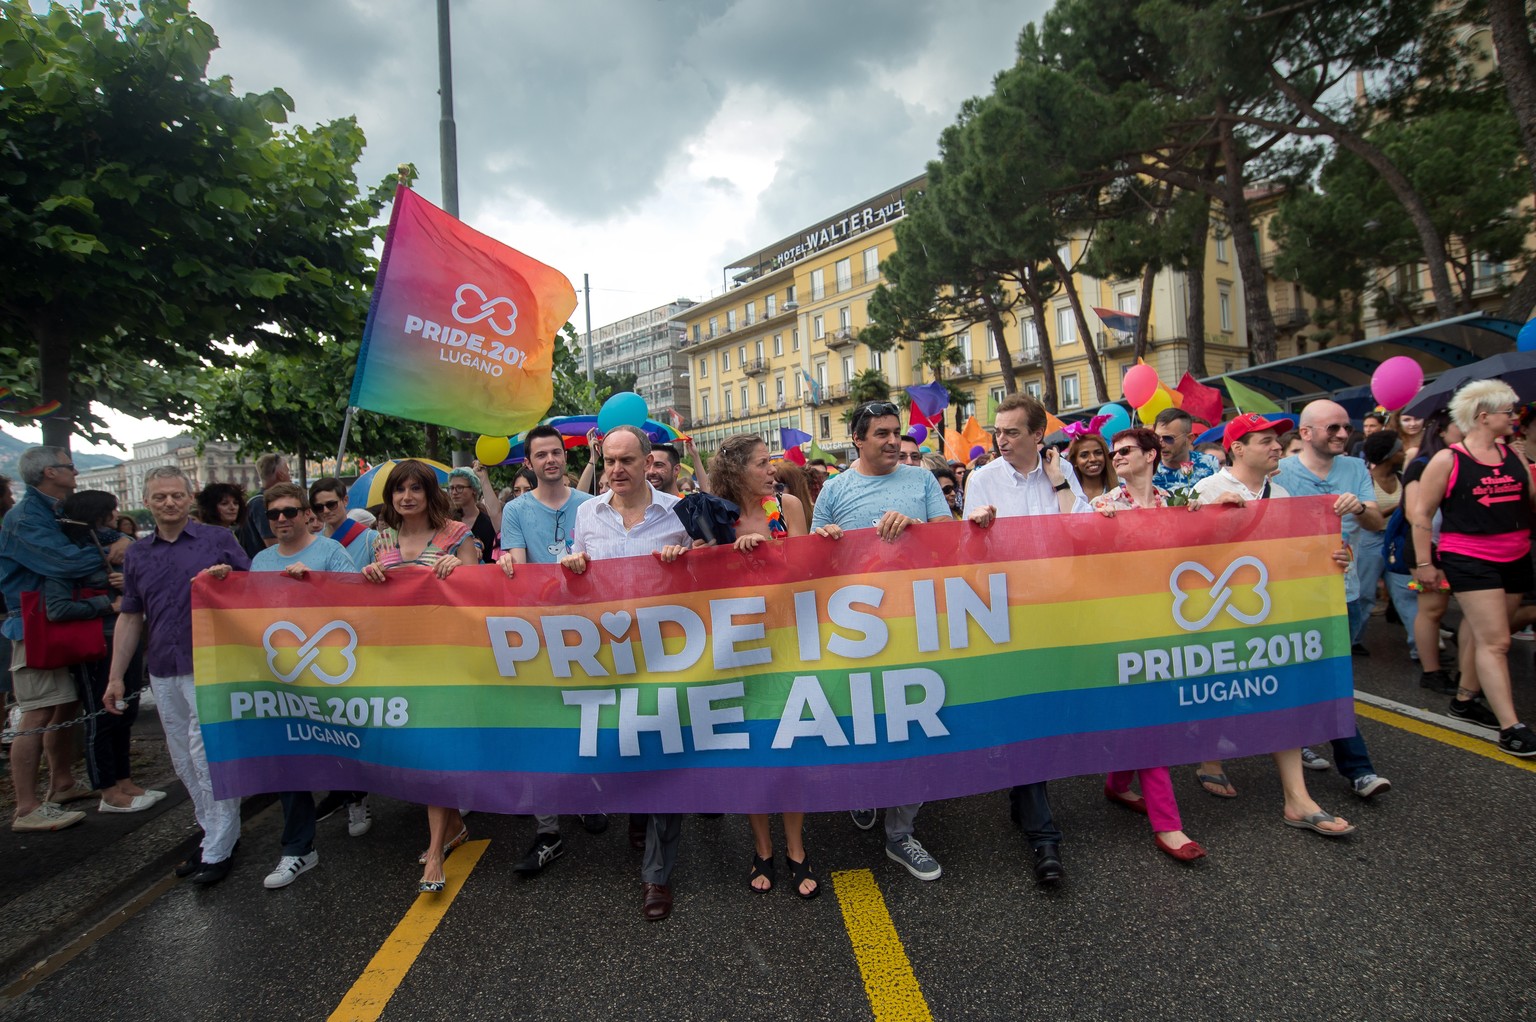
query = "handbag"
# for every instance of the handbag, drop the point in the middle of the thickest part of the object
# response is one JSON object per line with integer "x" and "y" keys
{"x": 51, "y": 644}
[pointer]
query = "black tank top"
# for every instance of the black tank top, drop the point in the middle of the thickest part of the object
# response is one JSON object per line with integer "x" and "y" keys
{"x": 1485, "y": 500}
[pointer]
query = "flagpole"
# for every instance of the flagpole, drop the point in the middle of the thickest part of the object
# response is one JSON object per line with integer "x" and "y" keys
{"x": 346, "y": 427}
{"x": 448, "y": 153}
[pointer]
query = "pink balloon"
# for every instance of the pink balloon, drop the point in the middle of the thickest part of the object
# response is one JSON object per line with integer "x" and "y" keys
{"x": 918, "y": 432}
{"x": 1139, "y": 385}
{"x": 1396, "y": 381}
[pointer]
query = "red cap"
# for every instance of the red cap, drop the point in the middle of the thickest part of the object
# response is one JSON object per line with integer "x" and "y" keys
{"x": 1253, "y": 422}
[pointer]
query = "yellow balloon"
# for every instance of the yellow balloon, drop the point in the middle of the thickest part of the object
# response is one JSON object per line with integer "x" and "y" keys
{"x": 1155, "y": 406}
{"x": 493, "y": 450}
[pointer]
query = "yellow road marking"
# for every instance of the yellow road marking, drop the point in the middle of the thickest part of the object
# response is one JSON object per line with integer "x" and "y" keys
{"x": 366, "y": 1000}
{"x": 1480, "y": 746}
{"x": 888, "y": 978}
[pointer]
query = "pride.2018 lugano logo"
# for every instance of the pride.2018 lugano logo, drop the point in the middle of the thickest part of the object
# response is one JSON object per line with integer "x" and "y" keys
{"x": 309, "y": 650}
{"x": 500, "y": 314}
{"x": 1220, "y": 592}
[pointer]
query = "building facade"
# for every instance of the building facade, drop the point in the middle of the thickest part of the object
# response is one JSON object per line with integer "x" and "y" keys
{"x": 780, "y": 348}
{"x": 215, "y": 463}
{"x": 647, "y": 344}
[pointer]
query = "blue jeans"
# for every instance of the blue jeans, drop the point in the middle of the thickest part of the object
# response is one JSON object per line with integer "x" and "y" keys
{"x": 1370, "y": 565}
{"x": 1030, "y": 808}
{"x": 1406, "y": 601}
{"x": 298, "y": 822}
{"x": 1351, "y": 756}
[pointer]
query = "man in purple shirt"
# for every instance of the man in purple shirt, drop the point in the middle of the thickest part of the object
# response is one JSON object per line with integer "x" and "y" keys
{"x": 157, "y": 592}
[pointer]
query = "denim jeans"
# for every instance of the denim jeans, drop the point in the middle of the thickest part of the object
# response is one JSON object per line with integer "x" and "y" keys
{"x": 1406, "y": 601}
{"x": 1351, "y": 757}
{"x": 1370, "y": 564}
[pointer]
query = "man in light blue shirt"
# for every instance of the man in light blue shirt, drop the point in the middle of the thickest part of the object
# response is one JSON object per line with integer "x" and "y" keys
{"x": 296, "y": 553}
{"x": 1322, "y": 468}
{"x": 878, "y": 492}
{"x": 537, "y": 527}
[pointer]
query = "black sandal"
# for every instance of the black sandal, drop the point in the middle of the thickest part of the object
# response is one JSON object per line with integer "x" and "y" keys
{"x": 761, "y": 868}
{"x": 801, "y": 872}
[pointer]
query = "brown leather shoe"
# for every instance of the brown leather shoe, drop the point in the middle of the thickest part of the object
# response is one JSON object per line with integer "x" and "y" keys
{"x": 656, "y": 902}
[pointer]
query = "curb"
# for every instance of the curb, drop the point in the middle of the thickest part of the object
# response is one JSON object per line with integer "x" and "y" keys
{"x": 51, "y": 915}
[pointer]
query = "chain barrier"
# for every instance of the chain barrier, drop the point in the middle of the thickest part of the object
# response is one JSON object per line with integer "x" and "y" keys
{"x": 61, "y": 725}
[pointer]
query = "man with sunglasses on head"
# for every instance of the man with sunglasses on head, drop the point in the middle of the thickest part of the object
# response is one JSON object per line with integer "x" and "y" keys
{"x": 1026, "y": 480}
{"x": 879, "y": 492}
{"x": 536, "y": 528}
{"x": 1180, "y": 467}
{"x": 1322, "y": 467}
{"x": 296, "y": 553}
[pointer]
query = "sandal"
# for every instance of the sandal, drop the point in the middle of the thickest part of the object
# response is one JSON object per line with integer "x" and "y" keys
{"x": 459, "y": 839}
{"x": 800, "y": 872}
{"x": 761, "y": 867}
{"x": 1220, "y": 780}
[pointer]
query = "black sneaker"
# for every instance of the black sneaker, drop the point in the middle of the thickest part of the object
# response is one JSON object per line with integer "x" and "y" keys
{"x": 329, "y": 806}
{"x": 193, "y": 863}
{"x": 1518, "y": 741}
{"x": 213, "y": 872}
{"x": 1358, "y": 649}
{"x": 594, "y": 823}
{"x": 546, "y": 849}
{"x": 1438, "y": 681}
{"x": 1473, "y": 711}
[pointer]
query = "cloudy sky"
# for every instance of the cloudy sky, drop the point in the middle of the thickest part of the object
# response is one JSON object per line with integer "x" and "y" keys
{"x": 643, "y": 142}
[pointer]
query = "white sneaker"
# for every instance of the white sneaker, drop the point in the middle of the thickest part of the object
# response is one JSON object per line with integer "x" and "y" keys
{"x": 359, "y": 819}
{"x": 288, "y": 869}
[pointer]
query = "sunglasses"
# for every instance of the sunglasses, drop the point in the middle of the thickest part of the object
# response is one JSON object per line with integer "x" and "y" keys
{"x": 326, "y": 505}
{"x": 1168, "y": 439}
{"x": 1336, "y": 428}
{"x": 274, "y": 513}
{"x": 949, "y": 491}
{"x": 875, "y": 410}
{"x": 1125, "y": 452}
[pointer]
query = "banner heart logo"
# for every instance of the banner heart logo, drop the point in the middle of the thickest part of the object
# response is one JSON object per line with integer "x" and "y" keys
{"x": 1220, "y": 593}
{"x": 309, "y": 650}
{"x": 616, "y": 623}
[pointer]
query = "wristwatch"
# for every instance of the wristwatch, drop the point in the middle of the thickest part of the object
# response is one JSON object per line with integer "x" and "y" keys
{"x": 1061, "y": 486}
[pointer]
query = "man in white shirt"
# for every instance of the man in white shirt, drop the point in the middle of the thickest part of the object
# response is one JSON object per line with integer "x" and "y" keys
{"x": 1024, "y": 480}
{"x": 630, "y": 520}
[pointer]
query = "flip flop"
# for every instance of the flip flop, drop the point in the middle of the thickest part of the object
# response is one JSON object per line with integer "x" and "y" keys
{"x": 1217, "y": 779}
{"x": 1313, "y": 821}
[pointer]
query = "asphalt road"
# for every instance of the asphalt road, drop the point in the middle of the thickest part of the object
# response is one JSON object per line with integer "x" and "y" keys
{"x": 1414, "y": 917}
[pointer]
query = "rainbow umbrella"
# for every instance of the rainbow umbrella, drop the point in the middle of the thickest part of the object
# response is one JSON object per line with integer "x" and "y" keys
{"x": 368, "y": 489}
{"x": 575, "y": 429}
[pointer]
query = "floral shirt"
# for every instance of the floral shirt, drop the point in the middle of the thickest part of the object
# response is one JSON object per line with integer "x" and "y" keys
{"x": 1120, "y": 499}
{"x": 1199, "y": 466}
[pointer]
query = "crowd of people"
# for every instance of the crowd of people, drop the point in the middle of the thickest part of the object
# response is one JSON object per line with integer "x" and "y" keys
{"x": 1429, "y": 511}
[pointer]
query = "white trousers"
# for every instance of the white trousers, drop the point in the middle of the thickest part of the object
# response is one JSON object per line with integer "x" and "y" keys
{"x": 219, "y": 818}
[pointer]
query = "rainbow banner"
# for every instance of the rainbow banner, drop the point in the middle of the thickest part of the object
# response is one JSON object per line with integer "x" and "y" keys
{"x": 812, "y": 674}
{"x": 461, "y": 330}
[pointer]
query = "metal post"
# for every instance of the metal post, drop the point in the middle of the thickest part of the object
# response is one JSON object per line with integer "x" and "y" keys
{"x": 448, "y": 153}
{"x": 586, "y": 290}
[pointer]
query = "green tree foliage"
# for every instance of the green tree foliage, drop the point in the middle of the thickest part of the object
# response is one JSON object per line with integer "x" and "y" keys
{"x": 153, "y": 218}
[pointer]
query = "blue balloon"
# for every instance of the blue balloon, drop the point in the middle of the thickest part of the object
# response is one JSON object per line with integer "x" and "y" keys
{"x": 1118, "y": 419}
{"x": 626, "y": 408}
{"x": 1525, "y": 340}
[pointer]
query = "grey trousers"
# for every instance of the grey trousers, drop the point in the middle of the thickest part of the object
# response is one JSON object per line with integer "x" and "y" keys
{"x": 663, "y": 833}
{"x": 900, "y": 821}
{"x": 547, "y": 824}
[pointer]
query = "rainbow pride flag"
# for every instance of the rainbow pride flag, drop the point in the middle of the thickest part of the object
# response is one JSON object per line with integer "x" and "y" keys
{"x": 461, "y": 329}
{"x": 811, "y": 674}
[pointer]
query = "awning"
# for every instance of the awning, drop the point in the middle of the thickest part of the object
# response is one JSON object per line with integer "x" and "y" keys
{"x": 1344, "y": 373}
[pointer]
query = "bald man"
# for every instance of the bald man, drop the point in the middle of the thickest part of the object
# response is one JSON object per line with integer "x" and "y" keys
{"x": 1322, "y": 467}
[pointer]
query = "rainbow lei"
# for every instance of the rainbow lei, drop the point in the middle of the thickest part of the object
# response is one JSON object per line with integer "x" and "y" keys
{"x": 775, "y": 515}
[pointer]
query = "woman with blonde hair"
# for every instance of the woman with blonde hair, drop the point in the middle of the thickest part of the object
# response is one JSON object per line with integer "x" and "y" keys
{"x": 793, "y": 479}
{"x": 1482, "y": 489}
{"x": 741, "y": 473}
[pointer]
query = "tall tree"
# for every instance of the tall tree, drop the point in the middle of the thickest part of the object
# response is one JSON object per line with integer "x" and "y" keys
{"x": 152, "y": 215}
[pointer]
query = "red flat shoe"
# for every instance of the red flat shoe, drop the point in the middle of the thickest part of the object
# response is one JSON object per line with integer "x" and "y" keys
{"x": 1187, "y": 852}
{"x": 1135, "y": 805}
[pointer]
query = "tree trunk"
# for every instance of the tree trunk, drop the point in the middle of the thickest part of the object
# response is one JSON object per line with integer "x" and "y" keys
{"x": 1261, "y": 322}
{"x": 1194, "y": 316}
{"x": 1517, "y": 65}
{"x": 1144, "y": 309}
{"x": 1519, "y": 302}
{"x": 1095, "y": 367}
{"x": 303, "y": 466}
{"x": 1435, "y": 255}
{"x": 1029, "y": 282}
{"x": 1004, "y": 356}
{"x": 54, "y": 355}
{"x": 432, "y": 443}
